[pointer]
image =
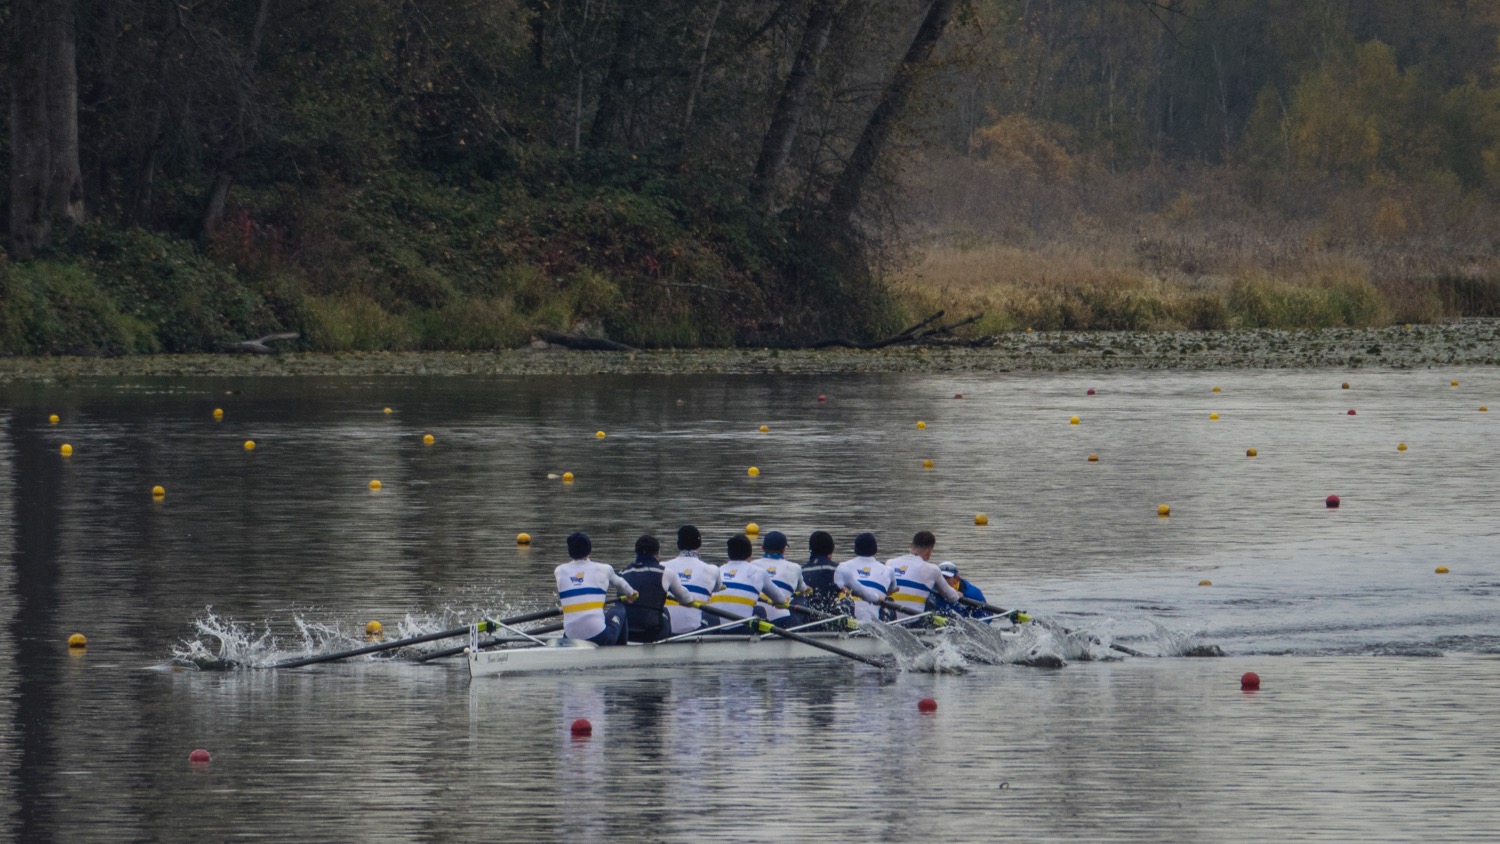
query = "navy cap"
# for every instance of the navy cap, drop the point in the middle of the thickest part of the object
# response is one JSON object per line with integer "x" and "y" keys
{"x": 864, "y": 545}
{"x": 773, "y": 542}
{"x": 579, "y": 545}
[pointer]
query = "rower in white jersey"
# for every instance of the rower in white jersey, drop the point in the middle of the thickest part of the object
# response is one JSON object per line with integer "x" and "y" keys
{"x": 700, "y": 579}
{"x": 582, "y": 586}
{"x": 786, "y": 574}
{"x": 864, "y": 577}
{"x": 914, "y": 579}
{"x": 744, "y": 584}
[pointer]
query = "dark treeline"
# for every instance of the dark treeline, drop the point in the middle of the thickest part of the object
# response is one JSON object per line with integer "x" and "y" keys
{"x": 462, "y": 173}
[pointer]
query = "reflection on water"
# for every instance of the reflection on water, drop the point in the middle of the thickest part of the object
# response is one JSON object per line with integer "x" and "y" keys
{"x": 1339, "y": 745}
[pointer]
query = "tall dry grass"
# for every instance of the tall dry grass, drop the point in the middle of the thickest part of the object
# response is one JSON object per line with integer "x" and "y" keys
{"x": 1199, "y": 248}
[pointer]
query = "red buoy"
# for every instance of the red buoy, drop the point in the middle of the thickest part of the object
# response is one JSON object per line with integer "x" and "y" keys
{"x": 1351, "y": 411}
{"x": 582, "y": 727}
{"x": 200, "y": 756}
{"x": 1250, "y": 681}
{"x": 1091, "y": 391}
{"x": 1331, "y": 502}
{"x": 958, "y": 395}
{"x": 822, "y": 397}
{"x": 926, "y": 704}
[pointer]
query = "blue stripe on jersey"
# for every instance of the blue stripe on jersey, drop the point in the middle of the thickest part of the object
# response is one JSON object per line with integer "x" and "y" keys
{"x": 912, "y": 584}
{"x": 784, "y": 587}
{"x": 582, "y": 590}
{"x": 743, "y": 587}
{"x": 878, "y": 587}
{"x": 697, "y": 590}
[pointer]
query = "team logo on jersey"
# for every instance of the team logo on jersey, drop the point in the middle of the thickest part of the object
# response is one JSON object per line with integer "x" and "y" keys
{"x": 686, "y": 577}
{"x": 576, "y": 578}
{"x": 771, "y": 570}
{"x": 729, "y": 572}
{"x": 900, "y": 569}
{"x": 865, "y": 571}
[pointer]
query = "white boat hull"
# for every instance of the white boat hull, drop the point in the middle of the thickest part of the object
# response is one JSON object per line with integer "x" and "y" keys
{"x": 703, "y": 650}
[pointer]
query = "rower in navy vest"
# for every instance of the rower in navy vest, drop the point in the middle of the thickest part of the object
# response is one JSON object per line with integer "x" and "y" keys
{"x": 648, "y": 612}
{"x": 823, "y": 594}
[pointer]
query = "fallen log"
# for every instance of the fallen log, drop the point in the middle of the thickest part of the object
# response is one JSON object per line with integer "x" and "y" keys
{"x": 587, "y": 344}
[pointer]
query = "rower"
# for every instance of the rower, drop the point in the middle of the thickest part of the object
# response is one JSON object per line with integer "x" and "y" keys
{"x": 786, "y": 574}
{"x": 582, "y": 585}
{"x": 817, "y": 575}
{"x": 943, "y": 606}
{"x": 865, "y": 577}
{"x": 915, "y": 579}
{"x": 744, "y": 583}
{"x": 647, "y": 614}
{"x": 700, "y": 579}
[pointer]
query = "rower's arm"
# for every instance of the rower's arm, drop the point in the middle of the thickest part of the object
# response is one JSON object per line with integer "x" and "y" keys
{"x": 622, "y": 586}
{"x": 674, "y": 587}
{"x": 949, "y": 594}
{"x": 777, "y": 595}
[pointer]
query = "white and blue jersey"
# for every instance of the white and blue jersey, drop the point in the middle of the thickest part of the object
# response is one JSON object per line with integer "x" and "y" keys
{"x": 868, "y": 580}
{"x": 582, "y": 586}
{"x": 914, "y": 580}
{"x": 700, "y": 579}
{"x": 744, "y": 583}
{"x": 787, "y": 576}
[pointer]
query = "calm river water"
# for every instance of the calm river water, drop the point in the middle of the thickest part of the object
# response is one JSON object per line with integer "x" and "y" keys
{"x": 1376, "y": 721}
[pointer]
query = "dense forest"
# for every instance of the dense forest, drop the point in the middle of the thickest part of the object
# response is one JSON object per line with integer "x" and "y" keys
{"x": 461, "y": 174}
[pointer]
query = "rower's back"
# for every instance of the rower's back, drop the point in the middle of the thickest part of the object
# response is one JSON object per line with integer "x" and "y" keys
{"x": 698, "y": 578}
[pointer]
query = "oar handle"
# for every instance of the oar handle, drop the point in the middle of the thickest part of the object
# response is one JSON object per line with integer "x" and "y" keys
{"x": 981, "y": 605}
{"x": 892, "y": 605}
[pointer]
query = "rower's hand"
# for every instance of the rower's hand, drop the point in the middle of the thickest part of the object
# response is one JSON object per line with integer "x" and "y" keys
{"x": 784, "y": 605}
{"x": 698, "y": 605}
{"x": 629, "y": 599}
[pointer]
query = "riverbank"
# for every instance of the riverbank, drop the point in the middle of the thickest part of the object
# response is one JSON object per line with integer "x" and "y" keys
{"x": 1475, "y": 342}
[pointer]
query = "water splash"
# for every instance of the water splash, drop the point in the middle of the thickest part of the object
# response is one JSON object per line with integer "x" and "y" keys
{"x": 221, "y": 644}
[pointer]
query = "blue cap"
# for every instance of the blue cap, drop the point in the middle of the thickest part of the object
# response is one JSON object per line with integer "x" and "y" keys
{"x": 773, "y": 542}
{"x": 579, "y": 545}
{"x": 864, "y": 545}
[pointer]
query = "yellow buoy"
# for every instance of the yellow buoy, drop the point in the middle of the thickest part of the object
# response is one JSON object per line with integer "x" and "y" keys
{"x": 1217, "y": 390}
{"x": 752, "y": 529}
{"x": 428, "y": 439}
{"x": 53, "y": 419}
{"x": 1073, "y": 421}
{"x": 158, "y": 491}
{"x": 921, "y": 425}
{"x": 567, "y": 477}
{"x": 927, "y": 464}
{"x": 78, "y": 640}
{"x": 1093, "y": 458}
{"x": 1345, "y": 386}
{"x": 1250, "y": 452}
{"x": 67, "y": 450}
{"x": 374, "y": 485}
{"x": 1440, "y": 570}
{"x": 249, "y": 445}
{"x": 981, "y": 519}
{"x": 1028, "y": 329}
{"x": 1163, "y": 511}
{"x": 1453, "y": 383}
{"x": 1205, "y": 583}
{"x": 1213, "y": 417}
{"x": 765, "y": 429}
{"x": 752, "y": 472}
{"x": 523, "y": 538}
{"x": 1400, "y": 446}
{"x": 218, "y": 413}
{"x": 388, "y": 410}
{"x": 373, "y": 630}
{"x": 598, "y": 435}
{"x": 1483, "y": 409}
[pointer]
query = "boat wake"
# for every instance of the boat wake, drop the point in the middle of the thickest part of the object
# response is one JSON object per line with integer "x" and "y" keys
{"x": 222, "y": 643}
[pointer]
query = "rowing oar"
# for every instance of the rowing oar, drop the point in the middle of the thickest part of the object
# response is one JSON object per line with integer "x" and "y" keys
{"x": 550, "y": 628}
{"x": 997, "y": 611}
{"x": 484, "y": 626}
{"x": 762, "y": 626}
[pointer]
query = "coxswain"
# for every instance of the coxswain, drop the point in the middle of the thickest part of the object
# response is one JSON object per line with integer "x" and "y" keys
{"x": 700, "y": 579}
{"x": 915, "y": 578}
{"x": 817, "y": 575}
{"x": 744, "y": 584}
{"x": 944, "y": 606}
{"x": 647, "y": 614}
{"x": 864, "y": 577}
{"x": 582, "y": 586}
{"x": 786, "y": 574}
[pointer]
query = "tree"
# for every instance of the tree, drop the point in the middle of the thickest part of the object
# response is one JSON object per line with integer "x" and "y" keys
{"x": 46, "y": 182}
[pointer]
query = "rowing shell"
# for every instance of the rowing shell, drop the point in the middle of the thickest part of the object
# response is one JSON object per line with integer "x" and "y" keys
{"x": 717, "y": 649}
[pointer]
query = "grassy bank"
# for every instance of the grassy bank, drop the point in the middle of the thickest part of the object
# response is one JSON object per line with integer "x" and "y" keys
{"x": 1084, "y": 248}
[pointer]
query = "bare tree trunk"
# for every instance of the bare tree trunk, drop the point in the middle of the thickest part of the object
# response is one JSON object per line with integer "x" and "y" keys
{"x": 621, "y": 63}
{"x": 46, "y": 180}
{"x": 218, "y": 196}
{"x": 844, "y": 199}
{"x": 708, "y": 37}
{"x": 776, "y": 146}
